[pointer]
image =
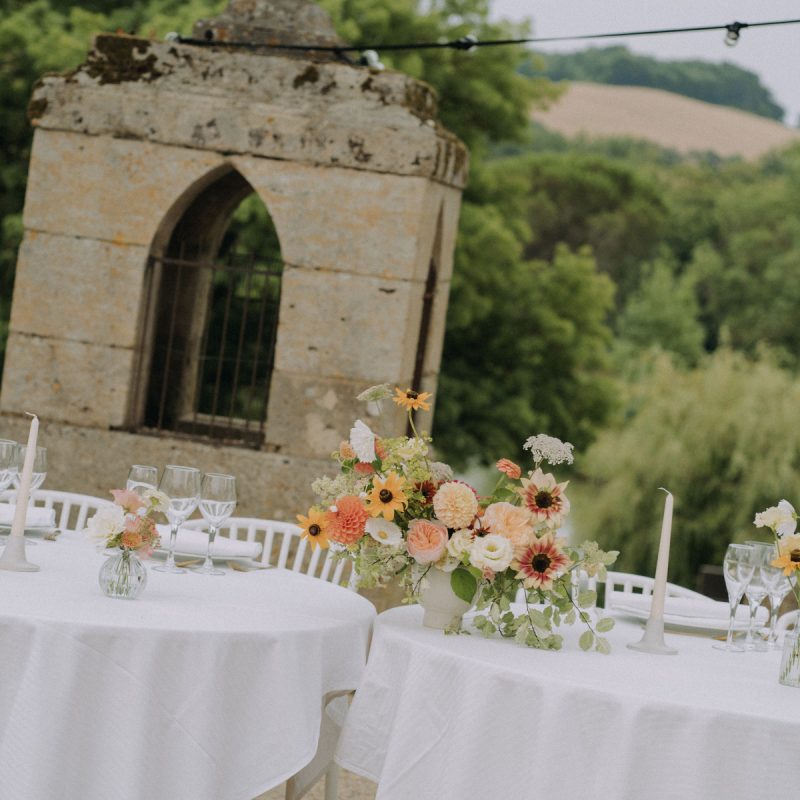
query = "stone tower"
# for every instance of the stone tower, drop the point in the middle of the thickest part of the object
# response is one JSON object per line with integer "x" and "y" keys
{"x": 139, "y": 157}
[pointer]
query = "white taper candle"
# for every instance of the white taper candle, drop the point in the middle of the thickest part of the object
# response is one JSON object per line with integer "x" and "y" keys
{"x": 20, "y": 512}
{"x": 660, "y": 587}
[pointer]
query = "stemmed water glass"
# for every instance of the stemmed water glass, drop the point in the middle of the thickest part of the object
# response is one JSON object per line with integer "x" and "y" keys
{"x": 217, "y": 503}
{"x": 39, "y": 468}
{"x": 777, "y": 585}
{"x": 8, "y": 465}
{"x": 758, "y": 588}
{"x": 737, "y": 567}
{"x": 140, "y": 478}
{"x": 182, "y": 486}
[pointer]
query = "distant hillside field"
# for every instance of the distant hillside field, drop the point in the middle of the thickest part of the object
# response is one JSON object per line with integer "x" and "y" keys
{"x": 670, "y": 120}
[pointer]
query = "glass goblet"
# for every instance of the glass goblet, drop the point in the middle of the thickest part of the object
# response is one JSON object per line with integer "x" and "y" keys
{"x": 39, "y": 468}
{"x": 141, "y": 477}
{"x": 8, "y": 465}
{"x": 757, "y": 590}
{"x": 737, "y": 568}
{"x": 217, "y": 503}
{"x": 182, "y": 486}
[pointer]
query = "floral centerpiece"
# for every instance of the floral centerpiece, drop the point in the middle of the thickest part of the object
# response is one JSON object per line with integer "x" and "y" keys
{"x": 128, "y": 526}
{"x": 398, "y": 513}
{"x": 782, "y": 521}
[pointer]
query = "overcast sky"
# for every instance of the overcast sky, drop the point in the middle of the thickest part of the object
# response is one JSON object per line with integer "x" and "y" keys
{"x": 773, "y": 52}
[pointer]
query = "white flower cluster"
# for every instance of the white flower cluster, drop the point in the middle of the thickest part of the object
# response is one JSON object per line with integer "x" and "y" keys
{"x": 781, "y": 518}
{"x": 329, "y": 489}
{"x": 549, "y": 449}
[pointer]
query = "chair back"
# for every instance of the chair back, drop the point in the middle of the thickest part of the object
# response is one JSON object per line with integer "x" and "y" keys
{"x": 620, "y": 585}
{"x": 72, "y": 509}
{"x": 283, "y": 547}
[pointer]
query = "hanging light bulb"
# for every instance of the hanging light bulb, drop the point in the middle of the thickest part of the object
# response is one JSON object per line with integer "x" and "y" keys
{"x": 732, "y": 33}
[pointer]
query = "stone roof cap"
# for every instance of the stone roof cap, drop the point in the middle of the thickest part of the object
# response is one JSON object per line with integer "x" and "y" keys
{"x": 270, "y": 22}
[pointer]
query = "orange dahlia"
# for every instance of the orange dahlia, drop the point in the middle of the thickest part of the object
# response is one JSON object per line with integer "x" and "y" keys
{"x": 387, "y": 496}
{"x": 346, "y": 520}
{"x": 314, "y": 528}
{"x": 411, "y": 400}
{"x": 541, "y": 563}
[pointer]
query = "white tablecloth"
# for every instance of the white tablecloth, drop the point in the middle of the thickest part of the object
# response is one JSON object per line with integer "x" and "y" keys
{"x": 202, "y": 688}
{"x": 443, "y": 717}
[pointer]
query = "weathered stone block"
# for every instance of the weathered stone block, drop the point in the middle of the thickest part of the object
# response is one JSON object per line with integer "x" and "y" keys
{"x": 108, "y": 189}
{"x": 309, "y": 416}
{"x": 85, "y": 384}
{"x": 345, "y": 220}
{"x": 338, "y": 325}
{"x": 79, "y": 289}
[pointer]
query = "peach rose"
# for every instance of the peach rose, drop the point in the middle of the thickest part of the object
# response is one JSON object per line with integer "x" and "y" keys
{"x": 426, "y": 541}
{"x": 512, "y": 522}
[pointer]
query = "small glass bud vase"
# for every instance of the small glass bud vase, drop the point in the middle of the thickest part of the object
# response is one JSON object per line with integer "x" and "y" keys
{"x": 123, "y": 575}
{"x": 790, "y": 662}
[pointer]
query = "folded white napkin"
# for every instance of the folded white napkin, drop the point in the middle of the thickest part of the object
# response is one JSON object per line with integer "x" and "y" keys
{"x": 196, "y": 543}
{"x": 35, "y": 518}
{"x": 691, "y": 607}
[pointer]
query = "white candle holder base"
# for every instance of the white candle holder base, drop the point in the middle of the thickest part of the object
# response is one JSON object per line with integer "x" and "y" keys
{"x": 652, "y": 640}
{"x": 13, "y": 557}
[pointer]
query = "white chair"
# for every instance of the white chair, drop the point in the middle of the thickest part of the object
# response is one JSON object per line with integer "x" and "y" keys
{"x": 788, "y": 620}
{"x": 284, "y": 548}
{"x": 622, "y": 585}
{"x": 72, "y": 509}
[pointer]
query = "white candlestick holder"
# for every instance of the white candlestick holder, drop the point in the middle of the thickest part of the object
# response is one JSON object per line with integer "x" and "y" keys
{"x": 652, "y": 640}
{"x": 13, "y": 557}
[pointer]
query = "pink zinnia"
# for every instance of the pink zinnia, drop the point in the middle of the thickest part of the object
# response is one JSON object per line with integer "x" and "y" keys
{"x": 509, "y": 468}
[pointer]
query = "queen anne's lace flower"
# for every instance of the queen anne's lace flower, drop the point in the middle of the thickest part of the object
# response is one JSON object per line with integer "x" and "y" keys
{"x": 549, "y": 449}
{"x": 781, "y": 518}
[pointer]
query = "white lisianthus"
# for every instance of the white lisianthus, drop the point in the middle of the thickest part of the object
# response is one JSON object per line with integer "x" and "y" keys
{"x": 781, "y": 518}
{"x": 460, "y": 542}
{"x": 493, "y": 552}
{"x": 157, "y": 500}
{"x": 106, "y": 523}
{"x": 362, "y": 440}
{"x": 384, "y": 532}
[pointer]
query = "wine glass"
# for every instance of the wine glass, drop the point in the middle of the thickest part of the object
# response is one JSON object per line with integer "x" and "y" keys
{"x": 758, "y": 588}
{"x": 8, "y": 466}
{"x": 217, "y": 503}
{"x": 182, "y": 486}
{"x": 140, "y": 478}
{"x": 39, "y": 468}
{"x": 8, "y": 463}
{"x": 737, "y": 567}
{"x": 777, "y": 585}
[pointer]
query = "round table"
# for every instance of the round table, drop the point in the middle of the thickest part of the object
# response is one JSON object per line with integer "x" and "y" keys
{"x": 466, "y": 717}
{"x": 203, "y": 687}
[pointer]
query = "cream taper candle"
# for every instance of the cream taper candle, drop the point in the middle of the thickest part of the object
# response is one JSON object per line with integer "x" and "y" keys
{"x": 660, "y": 586}
{"x": 21, "y": 510}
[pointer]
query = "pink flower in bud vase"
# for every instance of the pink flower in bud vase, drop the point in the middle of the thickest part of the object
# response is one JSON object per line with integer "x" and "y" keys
{"x": 130, "y": 501}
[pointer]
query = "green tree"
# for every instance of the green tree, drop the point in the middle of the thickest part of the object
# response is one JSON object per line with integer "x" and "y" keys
{"x": 663, "y": 312}
{"x": 723, "y": 438}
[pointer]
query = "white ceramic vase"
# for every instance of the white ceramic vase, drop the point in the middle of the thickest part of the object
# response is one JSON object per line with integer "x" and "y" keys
{"x": 442, "y": 606}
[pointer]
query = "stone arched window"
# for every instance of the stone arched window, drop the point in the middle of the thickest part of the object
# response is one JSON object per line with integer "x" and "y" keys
{"x": 210, "y": 321}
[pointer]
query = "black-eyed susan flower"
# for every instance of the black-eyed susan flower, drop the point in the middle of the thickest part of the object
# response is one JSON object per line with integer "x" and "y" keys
{"x": 387, "y": 496}
{"x": 314, "y": 528}
{"x": 411, "y": 400}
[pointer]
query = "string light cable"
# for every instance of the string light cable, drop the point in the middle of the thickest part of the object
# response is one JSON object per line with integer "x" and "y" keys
{"x": 368, "y": 54}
